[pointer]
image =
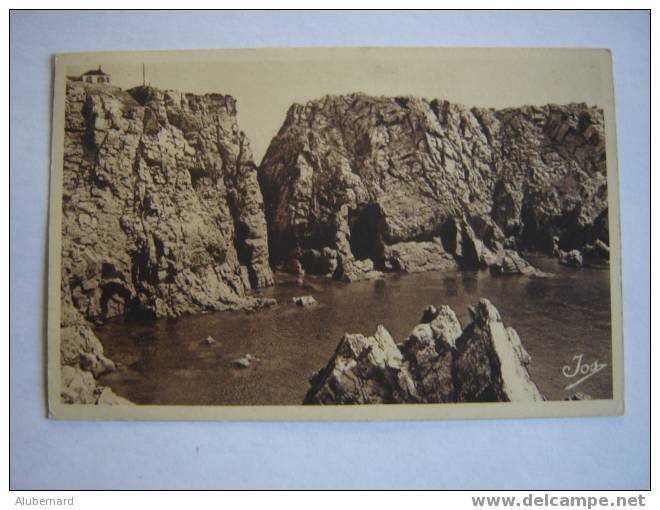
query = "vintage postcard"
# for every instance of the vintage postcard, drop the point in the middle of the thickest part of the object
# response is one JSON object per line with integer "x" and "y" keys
{"x": 334, "y": 234}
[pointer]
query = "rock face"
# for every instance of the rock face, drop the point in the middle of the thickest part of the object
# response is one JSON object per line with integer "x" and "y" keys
{"x": 415, "y": 256}
{"x": 439, "y": 362}
{"x": 366, "y": 176}
{"x": 82, "y": 358}
{"x": 162, "y": 211}
{"x": 162, "y": 215}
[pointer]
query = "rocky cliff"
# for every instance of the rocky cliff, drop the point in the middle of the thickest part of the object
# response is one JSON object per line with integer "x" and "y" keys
{"x": 413, "y": 184}
{"x": 162, "y": 212}
{"x": 439, "y": 362}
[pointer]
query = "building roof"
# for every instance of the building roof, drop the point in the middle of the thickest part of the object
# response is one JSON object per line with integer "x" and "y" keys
{"x": 95, "y": 72}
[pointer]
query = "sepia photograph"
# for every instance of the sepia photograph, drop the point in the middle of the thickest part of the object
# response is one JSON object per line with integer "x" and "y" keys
{"x": 334, "y": 233}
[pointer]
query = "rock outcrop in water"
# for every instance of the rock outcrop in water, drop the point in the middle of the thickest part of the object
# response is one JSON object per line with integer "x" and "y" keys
{"x": 162, "y": 212}
{"x": 83, "y": 360}
{"x": 439, "y": 362}
{"x": 412, "y": 184}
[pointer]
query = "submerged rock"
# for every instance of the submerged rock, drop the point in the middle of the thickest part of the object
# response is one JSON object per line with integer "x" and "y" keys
{"x": 414, "y": 257}
{"x": 571, "y": 258}
{"x": 438, "y": 362}
{"x": 209, "y": 340}
{"x": 322, "y": 262}
{"x": 356, "y": 270}
{"x": 262, "y": 302}
{"x": 241, "y": 362}
{"x": 304, "y": 301}
{"x": 294, "y": 266}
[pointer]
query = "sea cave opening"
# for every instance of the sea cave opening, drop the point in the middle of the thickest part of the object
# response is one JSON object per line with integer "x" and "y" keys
{"x": 366, "y": 225}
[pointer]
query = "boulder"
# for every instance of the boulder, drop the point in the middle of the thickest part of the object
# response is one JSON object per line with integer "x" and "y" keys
{"x": 209, "y": 340}
{"x": 304, "y": 301}
{"x": 322, "y": 262}
{"x": 438, "y": 362}
{"x": 513, "y": 264}
{"x": 294, "y": 266}
{"x": 571, "y": 258}
{"x": 241, "y": 362}
{"x": 414, "y": 257}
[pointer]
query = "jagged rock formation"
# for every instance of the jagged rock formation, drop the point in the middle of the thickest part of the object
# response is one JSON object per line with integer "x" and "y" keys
{"x": 162, "y": 212}
{"x": 439, "y": 362}
{"x": 363, "y": 175}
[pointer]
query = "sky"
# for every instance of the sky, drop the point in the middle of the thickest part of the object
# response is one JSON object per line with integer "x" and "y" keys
{"x": 266, "y": 82}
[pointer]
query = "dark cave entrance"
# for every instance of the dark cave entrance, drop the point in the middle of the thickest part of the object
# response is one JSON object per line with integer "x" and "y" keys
{"x": 366, "y": 225}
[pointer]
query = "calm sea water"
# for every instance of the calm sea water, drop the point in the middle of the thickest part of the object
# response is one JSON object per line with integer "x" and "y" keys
{"x": 165, "y": 361}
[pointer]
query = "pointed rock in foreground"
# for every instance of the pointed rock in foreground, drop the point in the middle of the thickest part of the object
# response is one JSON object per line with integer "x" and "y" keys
{"x": 438, "y": 362}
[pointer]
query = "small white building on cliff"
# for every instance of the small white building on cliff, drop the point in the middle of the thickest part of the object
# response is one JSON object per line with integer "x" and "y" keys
{"x": 95, "y": 76}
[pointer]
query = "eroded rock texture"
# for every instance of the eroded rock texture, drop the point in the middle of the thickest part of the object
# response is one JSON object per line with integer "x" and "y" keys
{"x": 162, "y": 212}
{"x": 366, "y": 176}
{"x": 439, "y": 362}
